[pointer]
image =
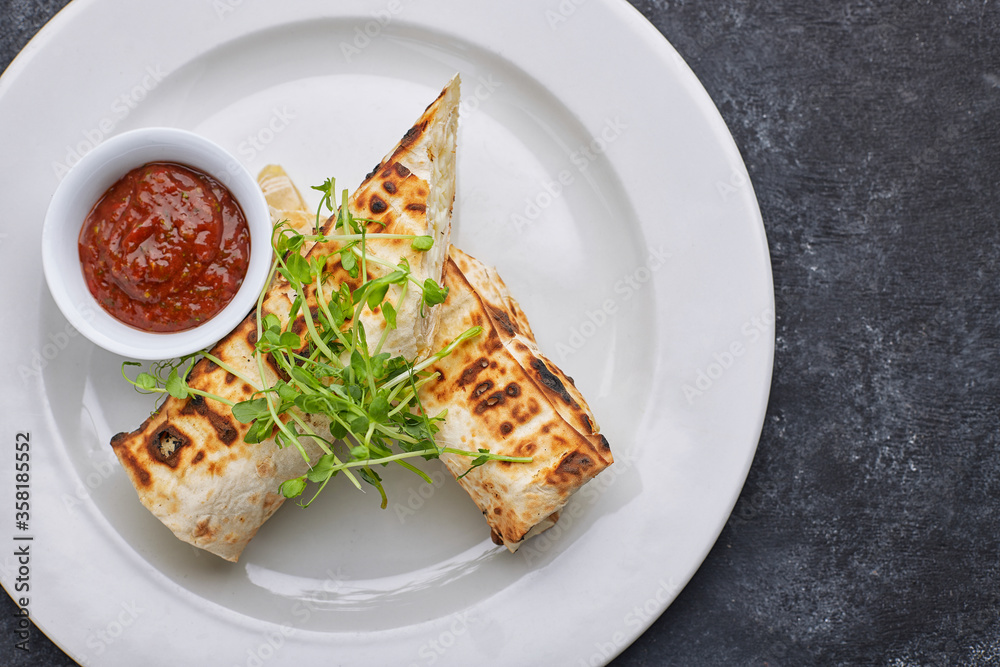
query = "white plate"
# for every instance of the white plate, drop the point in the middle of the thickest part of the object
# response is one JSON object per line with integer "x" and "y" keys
{"x": 594, "y": 172}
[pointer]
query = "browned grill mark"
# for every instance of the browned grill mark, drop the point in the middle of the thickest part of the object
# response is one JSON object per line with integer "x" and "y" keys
{"x": 513, "y": 390}
{"x": 490, "y": 402}
{"x": 204, "y": 528}
{"x": 472, "y": 371}
{"x": 605, "y": 445}
{"x": 416, "y": 207}
{"x": 575, "y": 465}
{"x": 197, "y": 458}
{"x": 164, "y": 444}
{"x": 520, "y": 415}
{"x": 482, "y": 388}
{"x": 587, "y": 424}
{"x": 389, "y": 187}
{"x": 373, "y": 171}
{"x": 223, "y": 426}
{"x": 526, "y": 449}
{"x": 412, "y": 134}
{"x": 377, "y": 205}
{"x": 506, "y": 428}
{"x": 266, "y": 468}
{"x": 129, "y": 461}
{"x": 401, "y": 171}
{"x": 504, "y": 321}
{"x": 230, "y": 378}
{"x": 552, "y": 381}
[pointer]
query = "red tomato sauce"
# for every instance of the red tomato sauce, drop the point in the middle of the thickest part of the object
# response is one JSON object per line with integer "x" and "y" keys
{"x": 165, "y": 248}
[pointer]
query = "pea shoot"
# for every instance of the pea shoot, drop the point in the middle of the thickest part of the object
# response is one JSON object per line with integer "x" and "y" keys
{"x": 369, "y": 398}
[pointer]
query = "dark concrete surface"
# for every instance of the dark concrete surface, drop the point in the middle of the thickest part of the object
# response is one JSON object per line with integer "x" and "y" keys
{"x": 868, "y": 532}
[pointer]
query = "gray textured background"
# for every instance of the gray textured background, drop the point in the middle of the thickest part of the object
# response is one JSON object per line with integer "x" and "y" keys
{"x": 868, "y": 532}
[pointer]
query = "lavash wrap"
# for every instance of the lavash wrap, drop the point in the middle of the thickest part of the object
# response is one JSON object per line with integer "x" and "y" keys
{"x": 504, "y": 395}
{"x": 188, "y": 461}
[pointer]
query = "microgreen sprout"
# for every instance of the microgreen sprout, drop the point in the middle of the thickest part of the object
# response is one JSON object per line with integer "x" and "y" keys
{"x": 369, "y": 398}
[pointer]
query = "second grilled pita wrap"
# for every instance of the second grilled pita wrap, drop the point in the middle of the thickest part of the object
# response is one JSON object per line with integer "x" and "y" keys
{"x": 504, "y": 395}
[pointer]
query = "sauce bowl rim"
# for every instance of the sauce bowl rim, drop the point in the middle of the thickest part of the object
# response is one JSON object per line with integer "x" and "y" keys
{"x": 83, "y": 186}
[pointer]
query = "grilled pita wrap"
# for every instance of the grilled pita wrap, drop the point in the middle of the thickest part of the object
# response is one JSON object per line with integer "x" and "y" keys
{"x": 504, "y": 395}
{"x": 410, "y": 192}
{"x": 188, "y": 462}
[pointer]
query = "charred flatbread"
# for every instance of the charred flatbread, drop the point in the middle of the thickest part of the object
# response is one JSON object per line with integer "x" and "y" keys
{"x": 188, "y": 462}
{"x": 502, "y": 394}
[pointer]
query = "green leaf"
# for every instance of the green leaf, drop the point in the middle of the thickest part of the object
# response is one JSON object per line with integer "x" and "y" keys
{"x": 478, "y": 461}
{"x": 294, "y": 312}
{"x": 312, "y": 404}
{"x": 288, "y": 243}
{"x": 349, "y": 262}
{"x": 290, "y": 340}
{"x": 316, "y": 265}
{"x": 328, "y": 187}
{"x": 434, "y": 293}
{"x": 358, "y": 366}
{"x": 377, "y": 294}
{"x": 423, "y": 243}
{"x": 389, "y": 315}
{"x": 338, "y": 315}
{"x": 379, "y": 409}
{"x": 259, "y": 431}
{"x": 246, "y": 411}
{"x": 271, "y": 323}
{"x": 299, "y": 269}
{"x": 293, "y": 488}
{"x": 378, "y": 365}
{"x": 359, "y": 425}
{"x": 286, "y": 392}
{"x": 372, "y": 478}
{"x": 146, "y": 381}
{"x": 176, "y": 386}
{"x": 396, "y": 365}
{"x": 270, "y": 340}
{"x": 338, "y": 431}
{"x": 322, "y": 469}
{"x": 303, "y": 376}
{"x": 357, "y": 295}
